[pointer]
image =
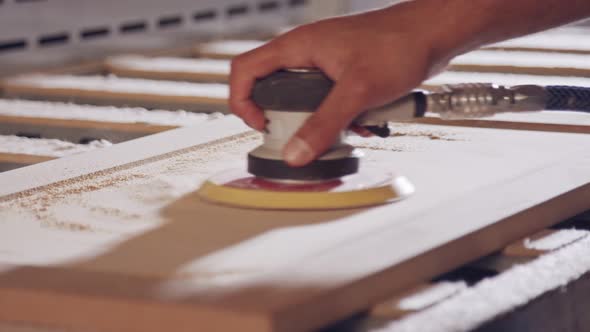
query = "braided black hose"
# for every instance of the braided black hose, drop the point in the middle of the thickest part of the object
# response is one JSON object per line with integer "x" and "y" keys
{"x": 568, "y": 98}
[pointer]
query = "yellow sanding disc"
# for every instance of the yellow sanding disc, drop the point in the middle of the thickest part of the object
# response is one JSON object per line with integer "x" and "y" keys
{"x": 238, "y": 188}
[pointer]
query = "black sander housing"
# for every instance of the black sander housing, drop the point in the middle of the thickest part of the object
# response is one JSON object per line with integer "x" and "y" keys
{"x": 289, "y": 98}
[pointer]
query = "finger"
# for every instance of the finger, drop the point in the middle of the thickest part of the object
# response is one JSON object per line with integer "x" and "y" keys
{"x": 248, "y": 67}
{"x": 361, "y": 131}
{"x": 348, "y": 97}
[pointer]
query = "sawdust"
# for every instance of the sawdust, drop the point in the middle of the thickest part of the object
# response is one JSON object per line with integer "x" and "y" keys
{"x": 555, "y": 240}
{"x": 108, "y": 177}
{"x": 47, "y": 147}
{"x": 58, "y": 110}
{"x": 41, "y": 201}
{"x": 426, "y": 134}
{"x": 383, "y": 147}
{"x": 494, "y": 296}
{"x": 68, "y": 226}
{"x": 115, "y": 212}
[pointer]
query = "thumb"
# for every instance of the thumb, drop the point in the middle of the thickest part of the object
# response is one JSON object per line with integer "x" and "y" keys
{"x": 347, "y": 99}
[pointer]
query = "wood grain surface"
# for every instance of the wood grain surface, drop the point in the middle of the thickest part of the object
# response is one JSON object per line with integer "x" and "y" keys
{"x": 182, "y": 263}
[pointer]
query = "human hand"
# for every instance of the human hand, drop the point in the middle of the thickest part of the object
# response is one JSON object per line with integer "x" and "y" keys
{"x": 373, "y": 58}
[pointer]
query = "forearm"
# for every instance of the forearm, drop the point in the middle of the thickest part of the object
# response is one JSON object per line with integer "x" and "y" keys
{"x": 458, "y": 26}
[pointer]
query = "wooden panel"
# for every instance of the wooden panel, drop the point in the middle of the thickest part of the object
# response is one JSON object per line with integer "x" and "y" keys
{"x": 152, "y": 248}
{"x": 76, "y": 130}
{"x": 481, "y": 61}
{"x": 10, "y": 161}
{"x": 450, "y": 77}
{"x": 226, "y": 49}
{"x": 169, "y": 68}
{"x": 120, "y": 91}
{"x": 82, "y": 123}
{"x": 519, "y": 62}
{"x": 552, "y": 121}
{"x": 561, "y": 40}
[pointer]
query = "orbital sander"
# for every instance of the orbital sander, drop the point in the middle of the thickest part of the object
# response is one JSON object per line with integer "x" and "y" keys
{"x": 336, "y": 179}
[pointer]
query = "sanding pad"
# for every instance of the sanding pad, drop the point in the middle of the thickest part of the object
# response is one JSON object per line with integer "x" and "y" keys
{"x": 368, "y": 188}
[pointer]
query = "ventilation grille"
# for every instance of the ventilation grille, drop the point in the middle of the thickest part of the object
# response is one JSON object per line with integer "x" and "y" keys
{"x": 136, "y": 26}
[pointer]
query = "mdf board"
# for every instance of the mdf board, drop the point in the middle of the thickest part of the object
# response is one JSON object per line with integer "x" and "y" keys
{"x": 110, "y": 90}
{"x": 128, "y": 245}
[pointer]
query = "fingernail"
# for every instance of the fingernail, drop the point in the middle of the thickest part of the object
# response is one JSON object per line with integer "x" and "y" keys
{"x": 297, "y": 152}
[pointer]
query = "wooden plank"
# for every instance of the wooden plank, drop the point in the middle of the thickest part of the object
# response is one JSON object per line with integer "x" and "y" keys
{"x": 547, "y": 293}
{"x": 82, "y": 123}
{"x": 415, "y": 299}
{"x": 450, "y": 77}
{"x": 481, "y": 61}
{"x": 222, "y": 268}
{"x": 10, "y": 161}
{"x": 120, "y": 91}
{"x": 521, "y": 62}
{"x": 170, "y": 68}
{"x": 544, "y": 242}
{"x": 76, "y": 130}
{"x": 560, "y": 40}
{"x": 520, "y": 252}
{"x": 546, "y": 121}
{"x": 551, "y": 121}
{"x": 45, "y": 147}
{"x": 16, "y": 152}
{"x": 226, "y": 49}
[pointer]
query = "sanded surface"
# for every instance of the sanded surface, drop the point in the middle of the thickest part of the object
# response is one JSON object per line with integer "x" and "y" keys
{"x": 109, "y": 89}
{"x": 137, "y": 239}
{"x": 170, "y": 68}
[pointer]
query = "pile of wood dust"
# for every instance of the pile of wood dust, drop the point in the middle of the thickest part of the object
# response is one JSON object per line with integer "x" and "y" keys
{"x": 57, "y": 110}
{"x": 122, "y": 85}
{"x": 131, "y": 193}
{"x": 46, "y": 147}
